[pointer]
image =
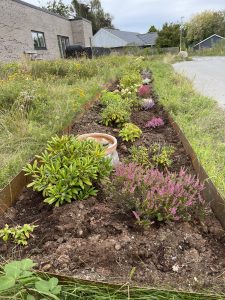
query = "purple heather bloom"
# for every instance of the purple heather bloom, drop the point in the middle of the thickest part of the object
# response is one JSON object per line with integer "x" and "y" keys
{"x": 154, "y": 122}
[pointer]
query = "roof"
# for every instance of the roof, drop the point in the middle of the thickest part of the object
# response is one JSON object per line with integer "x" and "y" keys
{"x": 135, "y": 38}
{"x": 48, "y": 12}
{"x": 149, "y": 38}
{"x": 209, "y": 38}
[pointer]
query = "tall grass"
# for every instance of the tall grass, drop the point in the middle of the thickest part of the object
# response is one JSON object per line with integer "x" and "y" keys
{"x": 202, "y": 121}
{"x": 39, "y": 99}
{"x": 217, "y": 50}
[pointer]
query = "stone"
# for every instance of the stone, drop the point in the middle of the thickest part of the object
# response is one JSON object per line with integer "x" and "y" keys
{"x": 117, "y": 247}
{"x": 46, "y": 268}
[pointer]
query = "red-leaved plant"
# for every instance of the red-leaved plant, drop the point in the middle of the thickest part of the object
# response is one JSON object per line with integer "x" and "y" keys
{"x": 154, "y": 122}
{"x": 144, "y": 91}
{"x": 152, "y": 195}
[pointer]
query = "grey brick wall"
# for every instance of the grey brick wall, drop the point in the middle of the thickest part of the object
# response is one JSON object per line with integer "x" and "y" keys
{"x": 17, "y": 20}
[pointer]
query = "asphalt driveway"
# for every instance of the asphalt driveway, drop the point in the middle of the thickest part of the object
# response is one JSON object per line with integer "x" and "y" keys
{"x": 207, "y": 74}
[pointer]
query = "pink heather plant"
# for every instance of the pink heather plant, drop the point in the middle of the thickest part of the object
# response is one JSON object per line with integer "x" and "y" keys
{"x": 151, "y": 195}
{"x": 154, "y": 122}
{"x": 144, "y": 91}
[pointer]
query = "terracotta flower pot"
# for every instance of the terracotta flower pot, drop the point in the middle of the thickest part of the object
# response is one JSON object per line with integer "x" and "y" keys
{"x": 109, "y": 141}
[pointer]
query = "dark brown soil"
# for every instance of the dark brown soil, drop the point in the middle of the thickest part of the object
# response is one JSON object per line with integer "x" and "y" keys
{"x": 93, "y": 240}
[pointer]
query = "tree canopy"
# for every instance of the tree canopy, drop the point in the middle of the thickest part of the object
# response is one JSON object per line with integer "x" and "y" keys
{"x": 169, "y": 36}
{"x": 58, "y": 7}
{"x": 152, "y": 29}
{"x": 93, "y": 11}
{"x": 204, "y": 24}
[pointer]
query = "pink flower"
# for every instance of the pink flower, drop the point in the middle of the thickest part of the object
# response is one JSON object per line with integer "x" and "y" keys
{"x": 154, "y": 122}
{"x": 144, "y": 91}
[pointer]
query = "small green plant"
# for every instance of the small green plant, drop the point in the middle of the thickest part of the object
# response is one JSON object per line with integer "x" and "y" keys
{"x": 140, "y": 155}
{"x": 131, "y": 79}
{"x": 69, "y": 169}
{"x": 19, "y": 276}
{"x": 18, "y": 234}
{"x": 130, "y": 132}
{"x": 161, "y": 155}
{"x": 109, "y": 97}
{"x": 116, "y": 114}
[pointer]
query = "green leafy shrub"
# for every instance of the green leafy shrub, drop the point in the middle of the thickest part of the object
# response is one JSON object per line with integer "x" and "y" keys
{"x": 161, "y": 155}
{"x": 109, "y": 97}
{"x": 140, "y": 155}
{"x": 18, "y": 234}
{"x": 130, "y": 132}
{"x": 116, "y": 114}
{"x": 130, "y": 80}
{"x": 19, "y": 280}
{"x": 69, "y": 169}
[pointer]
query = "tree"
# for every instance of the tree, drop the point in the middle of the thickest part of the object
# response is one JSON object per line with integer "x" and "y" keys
{"x": 58, "y": 7}
{"x": 93, "y": 11}
{"x": 152, "y": 29}
{"x": 169, "y": 36}
{"x": 205, "y": 24}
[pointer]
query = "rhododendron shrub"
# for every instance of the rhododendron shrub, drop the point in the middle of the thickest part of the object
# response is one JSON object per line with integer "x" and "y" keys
{"x": 154, "y": 123}
{"x": 144, "y": 91}
{"x": 151, "y": 195}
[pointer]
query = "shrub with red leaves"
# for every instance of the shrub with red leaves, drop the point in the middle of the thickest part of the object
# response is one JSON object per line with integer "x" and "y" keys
{"x": 151, "y": 195}
{"x": 144, "y": 91}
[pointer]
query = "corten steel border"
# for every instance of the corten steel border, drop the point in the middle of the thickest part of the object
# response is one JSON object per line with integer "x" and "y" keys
{"x": 210, "y": 193}
{"x": 10, "y": 193}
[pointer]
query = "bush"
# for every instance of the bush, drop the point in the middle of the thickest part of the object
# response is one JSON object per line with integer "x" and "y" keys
{"x": 69, "y": 170}
{"x": 129, "y": 80}
{"x": 139, "y": 155}
{"x": 151, "y": 195}
{"x": 130, "y": 132}
{"x": 109, "y": 97}
{"x": 144, "y": 91}
{"x": 116, "y": 114}
{"x": 161, "y": 155}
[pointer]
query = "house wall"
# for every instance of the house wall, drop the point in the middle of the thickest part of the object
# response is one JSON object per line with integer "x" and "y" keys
{"x": 105, "y": 39}
{"x": 18, "y": 18}
{"x": 82, "y": 32}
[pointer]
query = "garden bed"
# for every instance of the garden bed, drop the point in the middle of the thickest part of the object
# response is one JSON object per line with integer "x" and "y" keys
{"x": 93, "y": 240}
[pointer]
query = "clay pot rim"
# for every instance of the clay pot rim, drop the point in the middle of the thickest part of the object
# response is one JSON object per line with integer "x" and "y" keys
{"x": 106, "y": 136}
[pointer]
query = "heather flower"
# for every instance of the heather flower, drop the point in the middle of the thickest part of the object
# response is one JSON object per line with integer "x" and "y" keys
{"x": 144, "y": 91}
{"x": 147, "y": 103}
{"x": 155, "y": 196}
{"x": 154, "y": 123}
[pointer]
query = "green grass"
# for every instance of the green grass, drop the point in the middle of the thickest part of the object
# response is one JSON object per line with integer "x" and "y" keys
{"x": 39, "y": 99}
{"x": 202, "y": 121}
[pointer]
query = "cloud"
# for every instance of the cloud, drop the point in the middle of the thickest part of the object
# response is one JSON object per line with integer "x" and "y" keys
{"x": 139, "y": 15}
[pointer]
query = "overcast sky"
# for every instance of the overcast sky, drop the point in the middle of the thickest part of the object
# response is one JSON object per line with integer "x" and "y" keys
{"x": 138, "y": 15}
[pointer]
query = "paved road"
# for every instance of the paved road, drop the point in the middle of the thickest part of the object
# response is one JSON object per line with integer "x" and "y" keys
{"x": 208, "y": 75}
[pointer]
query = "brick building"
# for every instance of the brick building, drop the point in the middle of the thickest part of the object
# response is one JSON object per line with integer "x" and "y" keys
{"x": 29, "y": 30}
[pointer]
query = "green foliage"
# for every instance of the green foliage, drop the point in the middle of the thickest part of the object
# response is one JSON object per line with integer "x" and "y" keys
{"x": 169, "y": 36}
{"x": 19, "y": 275}
{"x": 68, "y": 170}
{"x": 140, "y": 155}
{"x": 93, "y": 11}
{"x": 58, "y": 7}
{"x": 109, "y": 97}
{"x": 131, "y": 80}
{"x": 204, "y": 24}
{"x": 130, "y": 132}
{"x": 18, "y": 234}
{"x": 161, "y": 155}
{"x": 116, "y": 114}
{"x": 152, "y": 29}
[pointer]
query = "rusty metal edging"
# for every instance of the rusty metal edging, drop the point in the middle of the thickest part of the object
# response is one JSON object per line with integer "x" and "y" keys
{"x": 210, "y": 193}
{"x": 10, "y": 193}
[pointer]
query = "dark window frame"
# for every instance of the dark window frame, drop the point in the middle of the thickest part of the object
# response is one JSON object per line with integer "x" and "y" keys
{"x": 43, "y": 39}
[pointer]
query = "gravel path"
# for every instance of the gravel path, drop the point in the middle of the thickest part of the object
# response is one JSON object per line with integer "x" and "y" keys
{"x": 207, "y": 74}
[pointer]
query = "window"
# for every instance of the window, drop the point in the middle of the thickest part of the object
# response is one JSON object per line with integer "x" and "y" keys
{"x": 39, "y": 40}
{"x": 63, "y": 42}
